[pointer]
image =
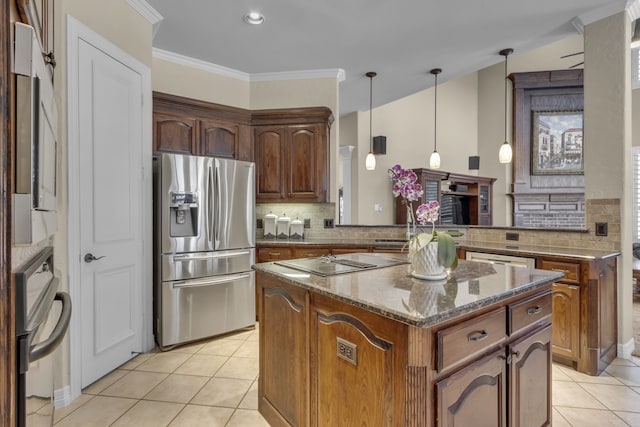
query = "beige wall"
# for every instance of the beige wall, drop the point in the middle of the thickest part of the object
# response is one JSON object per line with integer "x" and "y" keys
{"x": 177, "y": 79}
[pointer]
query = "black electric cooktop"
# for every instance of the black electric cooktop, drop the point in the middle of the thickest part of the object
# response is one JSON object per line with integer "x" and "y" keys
{"x": 330, "y": 265}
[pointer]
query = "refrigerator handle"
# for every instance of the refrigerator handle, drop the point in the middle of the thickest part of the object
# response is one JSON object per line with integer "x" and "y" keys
{"x": 177, "y": 258}
{"x": 209, "y": 282}
{"x": 210, "y": 205}
{"x": 218, "y": 206}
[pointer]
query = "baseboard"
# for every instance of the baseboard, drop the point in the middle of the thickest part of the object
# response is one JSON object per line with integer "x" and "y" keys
{"x": 62, "y": 397}
{"x": 625, "y": 350}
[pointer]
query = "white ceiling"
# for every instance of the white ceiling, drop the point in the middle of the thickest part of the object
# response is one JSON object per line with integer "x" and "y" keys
{"x": 401, "y": 40}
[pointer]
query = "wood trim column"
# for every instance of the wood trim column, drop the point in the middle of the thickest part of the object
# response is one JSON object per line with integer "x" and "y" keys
{"x": 7, "y": 328}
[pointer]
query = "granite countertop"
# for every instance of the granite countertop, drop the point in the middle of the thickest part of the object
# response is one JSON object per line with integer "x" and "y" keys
{"x": 533, "y": 250}
{"x": 393, "y": 293}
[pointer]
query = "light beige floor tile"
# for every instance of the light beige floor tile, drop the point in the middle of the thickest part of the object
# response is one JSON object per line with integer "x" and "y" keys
{"x": 135, "y": 384}
{"x": 225, "y": 392}
{"x": 247, "y": 349}
{"x": 631, "y": 418}
{"x": 623, "y": 362}
{"x": 615, "y": 397}
{"x": 189, "y": 348}
{"x": 149, "y": 414}
{"x": 223, "y": 347}
{"x": 255, "y": 336}
{"x": 99, "y": 411}
{"x": 177, "y": 388}
{"x": 202, "y": 364}
{"x": 250, "y": 401}
{"x": 239, "y": 367}
{"x": 584, "y": 417}
{"x": 636, "y": 360}
{"x": 558, "y": 374}
{"x": 105, "y": 381}
{"x": 240, "y": 335}
{"x": 164, "y": 362}
{"x": 247, "y": 418}
{"x": 137, "y": 361}
{"x": 636, "y": 389}
{"x": 60, "y": 413}
{"x": 202, "y": 416}
{"x": 628, "y": 375}
{"x": 573, "y": 395}
{"x": 603, "y": 378}
{"x": 558, "y": 420}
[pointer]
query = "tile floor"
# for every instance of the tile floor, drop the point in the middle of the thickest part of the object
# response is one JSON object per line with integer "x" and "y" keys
{"x": 214, "y": 383}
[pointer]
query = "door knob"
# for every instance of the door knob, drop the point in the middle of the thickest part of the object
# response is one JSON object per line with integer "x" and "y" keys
{"x": 89, "y": 257}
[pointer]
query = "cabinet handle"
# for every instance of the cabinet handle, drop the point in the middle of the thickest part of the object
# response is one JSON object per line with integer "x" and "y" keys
{"x": 274, "y": 253}
{"x": 560, "y": 270}
{"x": 479, "y": 337}
{"x": 507, "y": 358}
{"x": 311, "y": 255}
{"x": 534, "y": 310}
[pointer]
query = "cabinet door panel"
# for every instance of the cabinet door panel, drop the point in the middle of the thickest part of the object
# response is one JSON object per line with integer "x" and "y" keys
{"x": 218, "y": 139}
{"x": 531, "y": 380}
{"x": 305, "y": 163}
{"x": 269, "y": 145}
{"x": 283, "y": 342}
{"x": 475, "y": 396}
{"x": 352, "y": 393}
{"x": 174, "y": 134}
{"x": 566, "y": 320}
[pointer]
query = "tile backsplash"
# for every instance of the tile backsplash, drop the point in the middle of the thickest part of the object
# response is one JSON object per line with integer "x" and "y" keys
{"x": 315, "y": 212}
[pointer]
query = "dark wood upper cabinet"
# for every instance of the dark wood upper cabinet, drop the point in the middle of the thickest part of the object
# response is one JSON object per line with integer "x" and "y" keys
{"x": 289, "y": 146}
{"x": 188, "y": 126}
{"x": 174, "y": 134}
{"x": 219, "y": 139}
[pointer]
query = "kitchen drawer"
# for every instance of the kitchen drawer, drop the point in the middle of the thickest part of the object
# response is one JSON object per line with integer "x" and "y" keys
{"x": 571, "y": 270}
{"x": 274, "y": 254}
{"x": 468, "y": 339}
{"x": 528, "y": 312}
{"x": 310, "y": 252}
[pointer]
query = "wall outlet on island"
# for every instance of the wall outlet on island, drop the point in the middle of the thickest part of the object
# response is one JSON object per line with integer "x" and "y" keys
{"x": 328, "y": 223}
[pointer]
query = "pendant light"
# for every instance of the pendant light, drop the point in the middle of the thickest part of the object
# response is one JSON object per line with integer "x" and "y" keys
{"x": 370, "y": 162}
{"x": 505, "y": 153}
{"x": 434, "y": 160}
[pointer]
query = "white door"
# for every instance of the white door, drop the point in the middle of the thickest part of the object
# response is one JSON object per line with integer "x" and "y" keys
{"x": 110, "y": 172}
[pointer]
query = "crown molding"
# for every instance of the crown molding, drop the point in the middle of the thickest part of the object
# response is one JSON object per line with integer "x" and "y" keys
{"x": 580, "y": 21}
{"x": 330, "y": 73}
{"x": 200, "y": 65}
{"x": 147, "y": 12}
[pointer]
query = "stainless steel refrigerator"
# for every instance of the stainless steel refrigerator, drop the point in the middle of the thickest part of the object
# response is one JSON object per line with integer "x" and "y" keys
{"x": 204, "y": 247}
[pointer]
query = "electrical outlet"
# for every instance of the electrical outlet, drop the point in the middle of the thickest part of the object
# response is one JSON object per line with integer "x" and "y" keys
{"x": 328, "y": 223}
{"x": 259, "y": 223}
{"x": 307, "y": 223}
{"x": 512, "y": 236}
{"x": 601, "y": 228}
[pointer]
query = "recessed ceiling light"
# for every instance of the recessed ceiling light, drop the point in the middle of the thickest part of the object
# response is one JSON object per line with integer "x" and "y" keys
{"x": 253, "y": 18}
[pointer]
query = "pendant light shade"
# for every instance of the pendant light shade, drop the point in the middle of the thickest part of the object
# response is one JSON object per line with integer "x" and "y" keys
{"x": 370, "y": 161}
{"x": 505, "y": 154}
{"x": 434, "y": 160}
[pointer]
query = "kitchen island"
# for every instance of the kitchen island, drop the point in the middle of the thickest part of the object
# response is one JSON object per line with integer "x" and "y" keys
{"x": 379, "y": 348}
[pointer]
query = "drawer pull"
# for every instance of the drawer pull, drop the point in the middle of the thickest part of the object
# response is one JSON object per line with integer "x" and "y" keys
{"x": 561, "y": 270}
{"x": 534, "y": 310}
{"x": 274, "y": 253}
{"x": 479, "y": 337}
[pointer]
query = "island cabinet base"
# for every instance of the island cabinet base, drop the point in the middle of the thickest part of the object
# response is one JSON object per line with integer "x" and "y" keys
{"x": 326, "y": 362}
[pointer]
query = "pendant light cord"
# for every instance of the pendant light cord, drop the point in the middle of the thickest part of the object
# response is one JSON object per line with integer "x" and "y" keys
{"x": 505, "y": 96}
{"x": 371, "y": 113}
{"x": 435, "y": 114}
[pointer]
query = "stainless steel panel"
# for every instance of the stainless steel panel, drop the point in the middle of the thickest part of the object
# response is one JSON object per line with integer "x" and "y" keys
{"x": 202, "y": 308}
{"x": 234, "y": 204}
{"x": 202, "y": 264}
{"x": 185, "y": 174}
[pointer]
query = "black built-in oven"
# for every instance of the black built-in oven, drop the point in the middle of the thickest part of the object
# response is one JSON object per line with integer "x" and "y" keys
{"x": 40, "y": 327}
